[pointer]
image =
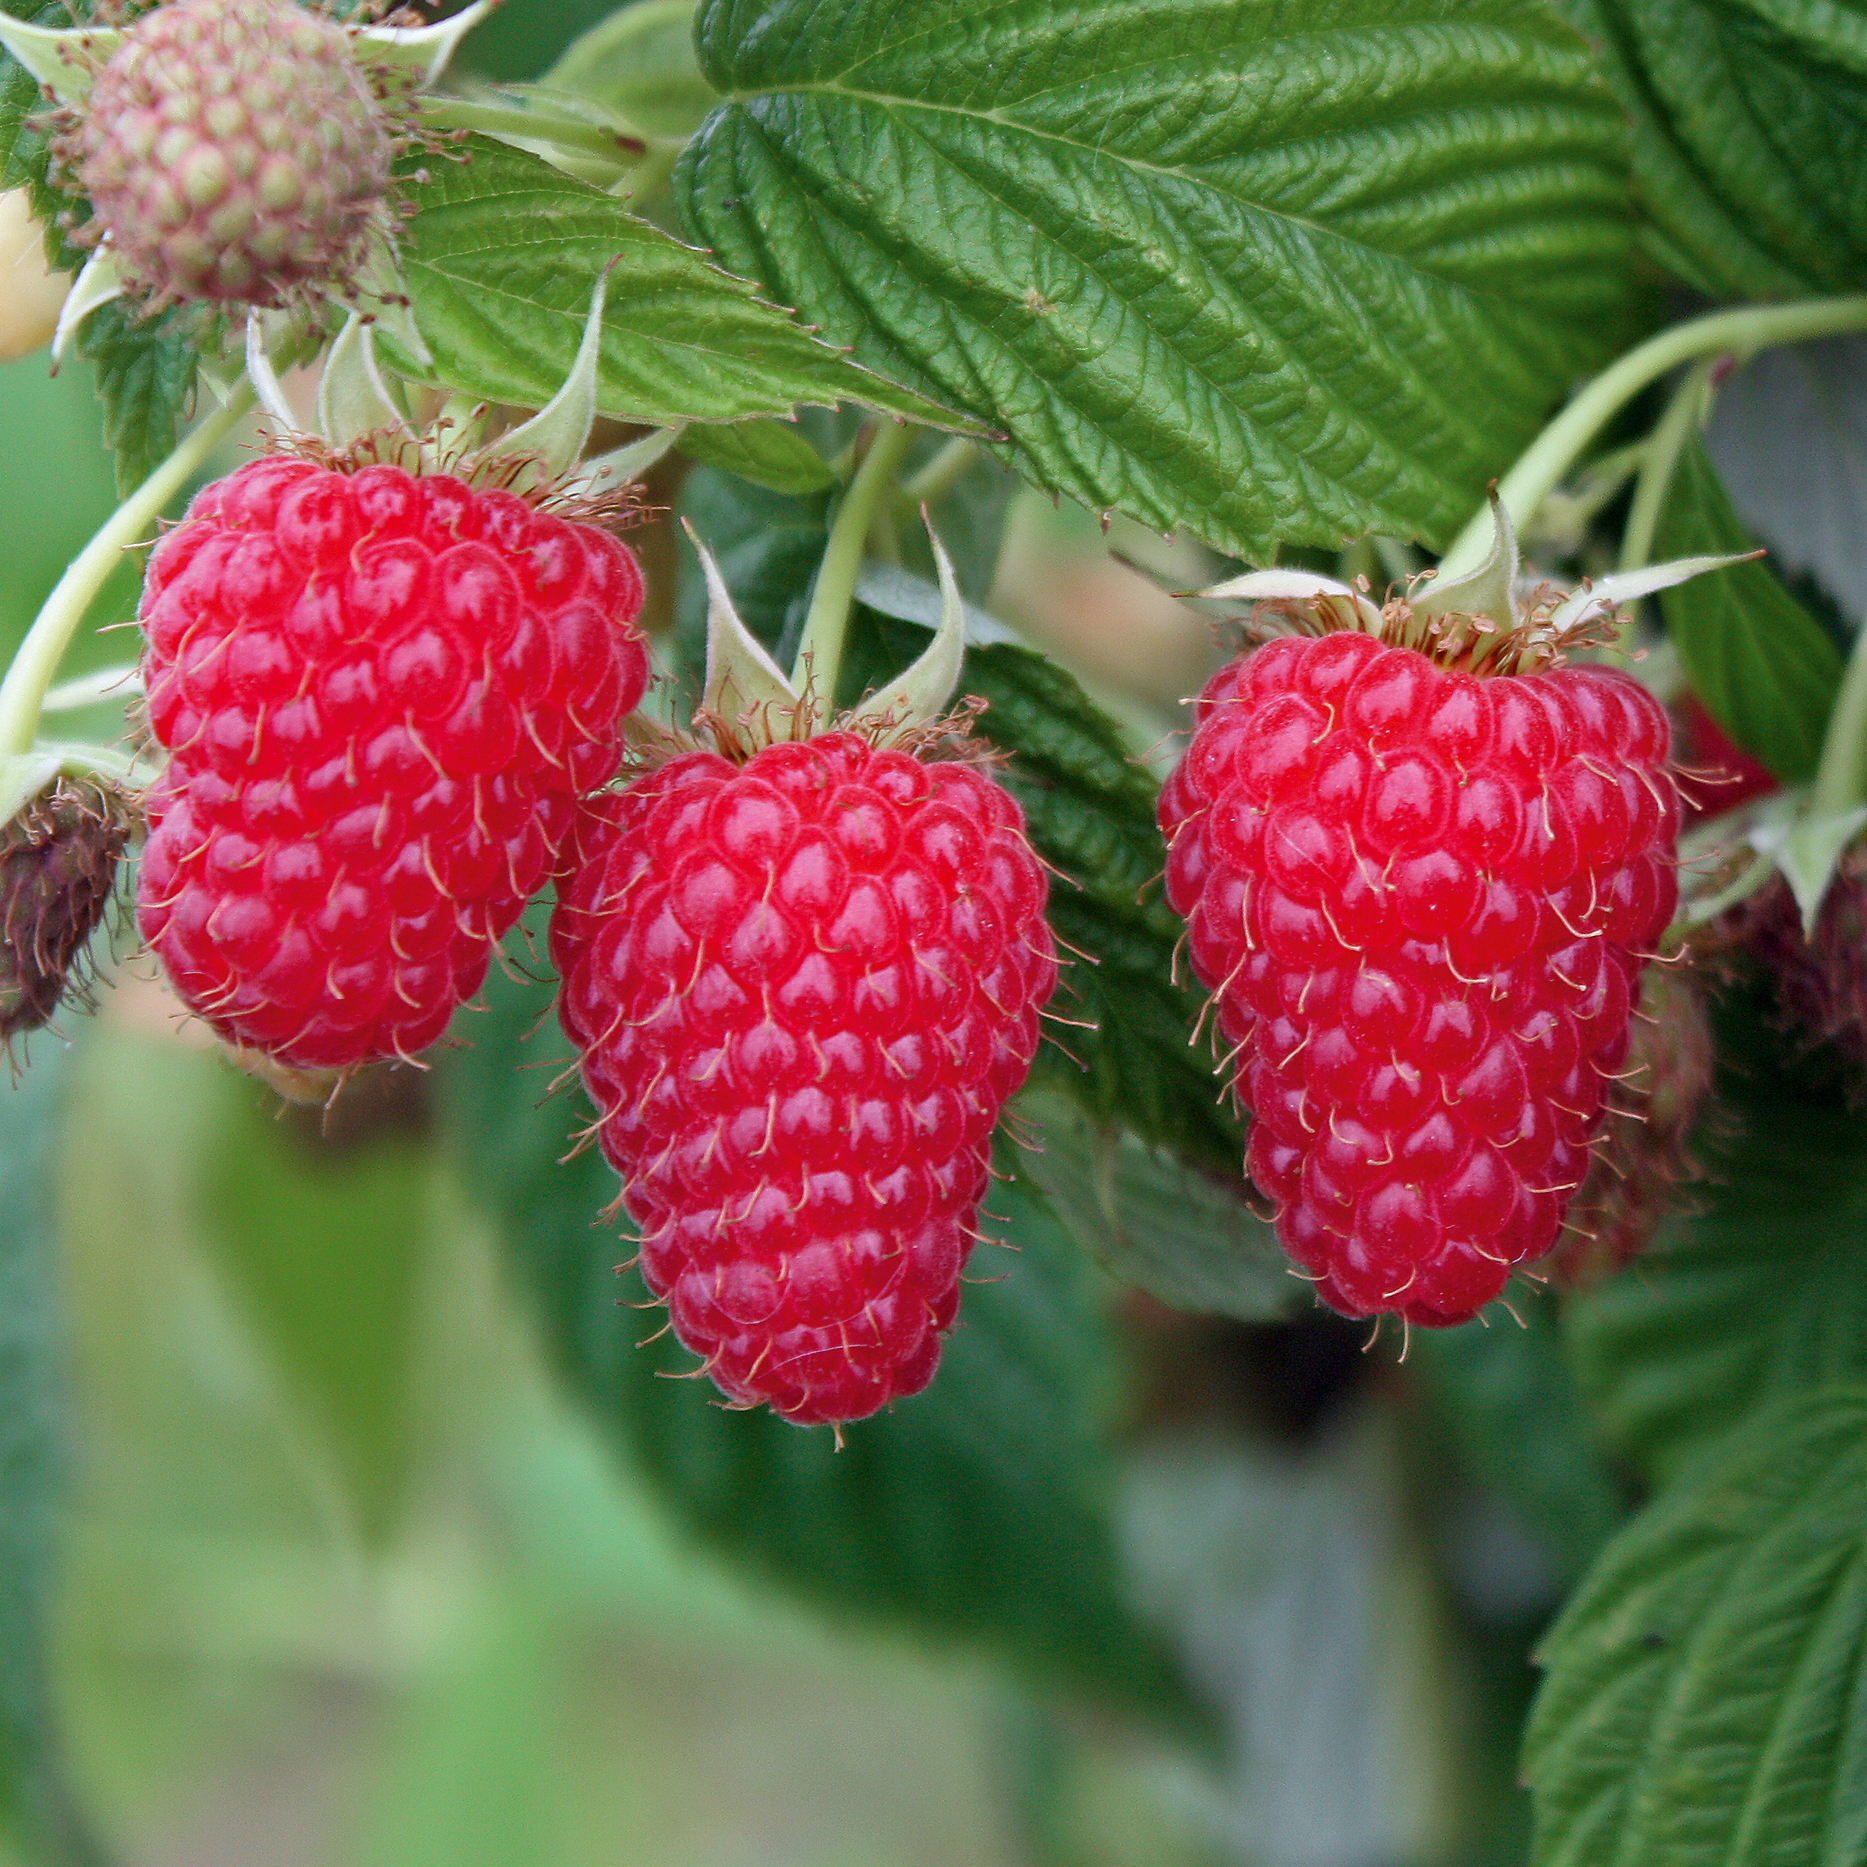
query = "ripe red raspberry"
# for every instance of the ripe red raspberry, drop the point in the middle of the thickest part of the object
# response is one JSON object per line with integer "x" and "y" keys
{"x": 234, "y": 150}
{"x": 383, "y": 693}
{"x": 1421, "y": 899}
{"x": 803, "y": 988}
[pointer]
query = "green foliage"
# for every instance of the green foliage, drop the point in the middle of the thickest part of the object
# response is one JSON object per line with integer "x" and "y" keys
{"x": 640, "y": 63}
{"x": 1511, "y": 1406}
{"x": 32, "y": 1429}
{"x": 978, "y": 1510}
{"x": 1183, "y": 1234}
{"x": 1220, "y": 265}
{"x": 1705, "y": 1690}
{"x": 322, "y": 1237}
{"x": 1765, "y": 668}
{"x": 1750, "y": 146}
{"x": 145, "y": 380}
{"x": 503, "y": 254}
{"x": 771, "y": 454}
{"x": 1753, "y": 1299}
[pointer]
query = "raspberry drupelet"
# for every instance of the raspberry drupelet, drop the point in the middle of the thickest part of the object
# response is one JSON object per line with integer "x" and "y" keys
{"x": 1421, "y": 899}
{"x": 383, "y": 693}
{"x": 803, "y": 986}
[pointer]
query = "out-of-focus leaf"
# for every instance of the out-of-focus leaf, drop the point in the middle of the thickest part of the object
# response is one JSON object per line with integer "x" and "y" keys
{"x": 1764, "y": 667}
{"x": 640, "y": 62}
{"x": 1752, "y": 1300}
{"x": 324, "y": 1240}
{"x": 1788, "y": 436}
{"x": 1510, "y": 1402}
{"x": 1126, "y": 1055}
{"x": 1707, "y": 1691}
{"x": 1750, "y": 146}
{"x": 502, "y": 257}
{"x": 769, "y": 453}
{"x": 979, "y": 1509}
{"x": 1181, "y": 1233}
{"x": 36, "y": 1809}
{"x": 1218, "y": 263}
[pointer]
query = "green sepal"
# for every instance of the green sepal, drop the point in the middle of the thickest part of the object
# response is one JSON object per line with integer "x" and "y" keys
{"x": 425, "y": 48}
{"x": 1490, "y": 590}
{"x": 97, "y": 284}
{"x": 353, "y": 398}
{"x": 63, "y": 59}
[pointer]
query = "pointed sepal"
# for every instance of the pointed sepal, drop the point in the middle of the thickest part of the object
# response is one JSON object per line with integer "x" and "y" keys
{"x": 1490, "y": 590}
{"x": 353, "y": 397}
{"x": 1810, "y": 853}
{"x": 1628, "y": 586}
{"x": 744, "y": 686}
{"x": 1347, "y": 605}
{"x": 268, "y": 391}
{"x": 64, "y": 59}
{"x": 557, "y": 435}
{"x": 98, "y": 282}
{"x": 924, "y": 692}
{"x": 624, "y": 465}
{"x": 425, "y": 50}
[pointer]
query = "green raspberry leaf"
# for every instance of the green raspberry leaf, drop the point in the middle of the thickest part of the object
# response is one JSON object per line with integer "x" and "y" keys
{"x": 1750, "y": 141}
{"x": 501, "y": 259}
{"x": 771, "y": 454}
{"x": 145, "y": 379}
{"x": 1707, "y": 1686}
{"x": 979, "y": 1510}
{"x": 1766, "y": 670}
{"x": 1753, "y": 1298}
{"x": 1267, "y": 273}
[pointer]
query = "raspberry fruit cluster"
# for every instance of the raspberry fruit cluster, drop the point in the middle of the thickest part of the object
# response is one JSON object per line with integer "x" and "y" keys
{"x": 233, "y": 150}
{"x": 383, "y": 693}
{"x": 1422, "y": 900}
{"x": 803, "y": 987}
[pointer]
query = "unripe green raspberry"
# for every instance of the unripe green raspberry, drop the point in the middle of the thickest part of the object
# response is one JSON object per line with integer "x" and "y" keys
{"x": 58, "y": 872}
{"x": 234, "y": 150}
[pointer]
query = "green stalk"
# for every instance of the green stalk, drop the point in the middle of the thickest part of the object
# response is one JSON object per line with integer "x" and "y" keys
{"x": 1661, "y": 456}
{"x": 23, "y": 691}
{"x": 940, "y": 475}
{"x": 820, "y": 653}
{"x": 1739, "y": 333}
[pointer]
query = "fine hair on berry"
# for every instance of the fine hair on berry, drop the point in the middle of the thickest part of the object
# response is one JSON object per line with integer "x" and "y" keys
{"x": 382, "y": 694}
{"x": 1421, "y": 899}
{"x": 802, "y": 988}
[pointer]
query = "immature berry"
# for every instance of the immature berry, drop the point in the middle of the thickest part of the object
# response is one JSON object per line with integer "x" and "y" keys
{"x": 1421, "y": 900}
{"x": 58, "y": 875}
{"x": 1819, "y": 979}
{"x": 383, "y": 693}
{"x": 803, "y": 988}
{"x": 1646, "y": 1150}
{"x": 233, "y": 150}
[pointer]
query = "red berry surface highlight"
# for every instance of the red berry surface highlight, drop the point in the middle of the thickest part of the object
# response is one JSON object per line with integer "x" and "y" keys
{"x": 803, "y": 989}
{"x": 1421, "y": 900}
{"x": 383, "y": 693}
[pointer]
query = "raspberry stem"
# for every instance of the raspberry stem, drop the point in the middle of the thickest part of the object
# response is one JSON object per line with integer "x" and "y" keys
{"x": 22, "y": 693}
{"x": 1739, "y": 333}
{"x": 820, "y": 653}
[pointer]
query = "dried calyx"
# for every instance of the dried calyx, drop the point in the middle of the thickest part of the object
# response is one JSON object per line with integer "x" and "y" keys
{"x": 58, "y": 873}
